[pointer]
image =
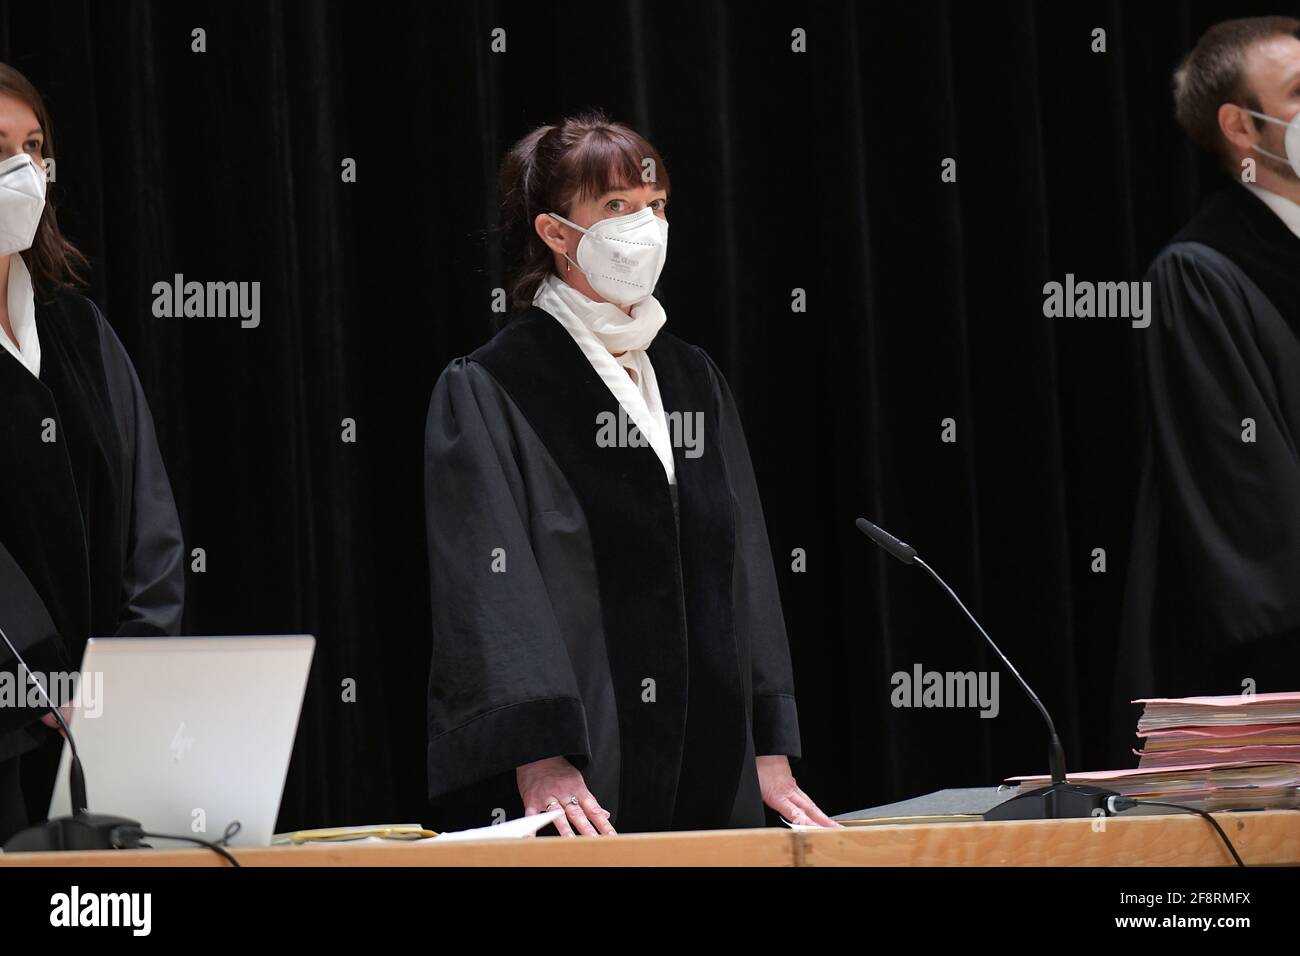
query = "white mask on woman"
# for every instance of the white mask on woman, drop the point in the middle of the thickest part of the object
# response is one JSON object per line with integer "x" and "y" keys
{"x": 22, "y": 200}
{"x": 622, "y": 256}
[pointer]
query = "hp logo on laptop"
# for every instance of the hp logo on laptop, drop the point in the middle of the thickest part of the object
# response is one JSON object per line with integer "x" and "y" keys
{"x": 180, "y": 743}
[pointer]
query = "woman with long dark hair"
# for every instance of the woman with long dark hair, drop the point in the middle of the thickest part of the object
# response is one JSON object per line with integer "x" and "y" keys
{"x": 89, "y": 534}
{"x": 608, "y": 637}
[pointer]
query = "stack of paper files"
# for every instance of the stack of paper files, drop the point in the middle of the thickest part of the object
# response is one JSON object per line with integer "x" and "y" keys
{"x": 1239, "y": 786}
{"x": 1240, "y": 752}
{"x": 1219, "y": 731}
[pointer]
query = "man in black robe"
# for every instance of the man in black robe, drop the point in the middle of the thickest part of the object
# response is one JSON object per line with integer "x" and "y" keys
{"x": 87, "y": 520}
{"x": 1213, "y": 597}
{"x": 581, "y": 611}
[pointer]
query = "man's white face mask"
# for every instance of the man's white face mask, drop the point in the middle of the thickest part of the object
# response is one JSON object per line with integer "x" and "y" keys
{"x": 1292, "y": 140}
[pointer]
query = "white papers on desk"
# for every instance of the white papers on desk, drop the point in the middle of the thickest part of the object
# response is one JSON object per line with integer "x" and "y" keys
{"x": 800, "y": 826}
{"x": 511, "y": 829}
{"x": 522, "y": 827}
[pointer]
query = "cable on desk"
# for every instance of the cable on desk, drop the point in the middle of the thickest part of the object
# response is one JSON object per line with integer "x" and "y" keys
{"x": 216, "y": 847}
{"x": 1127, "y": 803}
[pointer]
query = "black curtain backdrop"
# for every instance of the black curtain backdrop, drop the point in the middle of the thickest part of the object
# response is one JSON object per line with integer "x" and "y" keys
{"x": 818, "y": 171}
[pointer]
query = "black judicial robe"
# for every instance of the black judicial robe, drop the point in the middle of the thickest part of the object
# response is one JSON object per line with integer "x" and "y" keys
{"x": 1214, "y": 567}
{"x": 88, "y": 518}
{"x": 649, "y": 651}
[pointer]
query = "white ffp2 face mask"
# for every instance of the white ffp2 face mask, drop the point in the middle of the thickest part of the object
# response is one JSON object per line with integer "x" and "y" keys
{"x": 22, "y": 200}
{"x": 1292, "y": 140}
{"x": 622, "y": 256}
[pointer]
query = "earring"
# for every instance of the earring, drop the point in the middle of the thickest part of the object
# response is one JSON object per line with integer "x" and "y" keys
{"x": 567, "y": 264}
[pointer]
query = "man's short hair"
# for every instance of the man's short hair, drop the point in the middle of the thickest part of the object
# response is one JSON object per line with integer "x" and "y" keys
{"x": 1210, "y": 76}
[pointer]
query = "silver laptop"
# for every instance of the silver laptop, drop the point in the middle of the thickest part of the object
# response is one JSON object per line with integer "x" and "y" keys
{"x": 186, "y": 734}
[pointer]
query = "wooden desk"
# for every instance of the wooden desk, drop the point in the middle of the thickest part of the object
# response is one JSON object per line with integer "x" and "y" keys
{"x": 1265, "y": 838}
{"x": 702, "y": 848}
{"x": 1262, "y": 838}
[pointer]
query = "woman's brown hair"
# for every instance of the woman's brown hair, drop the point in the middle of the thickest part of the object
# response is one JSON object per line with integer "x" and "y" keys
{"x": 555, "y": 166}
{"x": 52, "y": 260}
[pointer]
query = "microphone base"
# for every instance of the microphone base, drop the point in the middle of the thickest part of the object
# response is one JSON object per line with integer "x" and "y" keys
{"x": 1057, "y": 801}
{"x": 81, "y": 831}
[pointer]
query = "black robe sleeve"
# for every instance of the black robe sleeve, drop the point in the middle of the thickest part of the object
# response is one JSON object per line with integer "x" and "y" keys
{"x": 28, "y": 627}
{"x": 1218, "y": 353}
{"x": 502, "y": 691}
{"x": 757, "y": 597}
{"x": 132, "y": 572}
{"x": 153, "y": 569}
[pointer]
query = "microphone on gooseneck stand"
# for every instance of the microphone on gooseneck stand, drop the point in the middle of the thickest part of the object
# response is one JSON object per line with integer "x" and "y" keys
{"x": 82, "y": 830}
{"x": 1060, "y": 799}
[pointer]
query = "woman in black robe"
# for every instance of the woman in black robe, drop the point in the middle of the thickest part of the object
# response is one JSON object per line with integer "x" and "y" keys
{"x": 89, "y": 535}
{"x": 605, "y": 641}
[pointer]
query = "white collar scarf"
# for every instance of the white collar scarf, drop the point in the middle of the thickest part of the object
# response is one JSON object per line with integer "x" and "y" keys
{"x": 22, "y": 316}
{"x": 600, "y": 329}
